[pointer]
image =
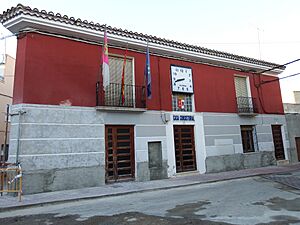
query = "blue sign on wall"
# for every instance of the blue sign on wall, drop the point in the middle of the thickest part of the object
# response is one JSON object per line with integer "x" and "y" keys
{"x": 183, "y": 118}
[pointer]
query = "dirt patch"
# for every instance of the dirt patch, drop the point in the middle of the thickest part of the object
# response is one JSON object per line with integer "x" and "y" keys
{"x": 132, "y": 218}
{"x": 278, "y": 204}
{"x": 282, "y": 220}
{"x": 188, "y": 210}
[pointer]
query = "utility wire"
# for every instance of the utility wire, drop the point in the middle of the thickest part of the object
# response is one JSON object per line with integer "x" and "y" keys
{"x": 8, "y": 36}
{"x": 4, "y": 95}
{"x": 277, "y": 67}
{"x": 16, "y": 34}
{"x": 281, "y": 78}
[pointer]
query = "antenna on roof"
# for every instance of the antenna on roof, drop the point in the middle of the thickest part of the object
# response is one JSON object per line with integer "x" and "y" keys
{"x": 258, "y": 37}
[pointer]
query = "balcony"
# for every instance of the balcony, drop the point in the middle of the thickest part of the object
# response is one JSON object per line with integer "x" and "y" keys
{"x": 247, "y": 106}
{"x": 111, "y": 98}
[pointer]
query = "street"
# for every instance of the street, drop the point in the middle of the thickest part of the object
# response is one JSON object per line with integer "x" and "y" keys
{"x": 255, "y": 200}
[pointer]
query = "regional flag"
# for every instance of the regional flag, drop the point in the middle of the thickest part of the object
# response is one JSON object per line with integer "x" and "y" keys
{"x": 105, "y": 65}
{"x": 148, "y": 73}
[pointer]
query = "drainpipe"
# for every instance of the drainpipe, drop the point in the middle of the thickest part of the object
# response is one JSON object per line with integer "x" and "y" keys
{"x": 6, "y": 132}
{"x": 19, "y": 113}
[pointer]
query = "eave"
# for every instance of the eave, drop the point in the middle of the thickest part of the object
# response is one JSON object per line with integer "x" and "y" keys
{"x": 23, "y": 22}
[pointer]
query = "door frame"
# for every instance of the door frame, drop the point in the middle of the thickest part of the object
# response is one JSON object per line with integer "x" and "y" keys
{"x": 193, "y": 145}
{"x": 282, "y": 140}
{"x": 297, "y": 145}
{"x": 132, "y": 152}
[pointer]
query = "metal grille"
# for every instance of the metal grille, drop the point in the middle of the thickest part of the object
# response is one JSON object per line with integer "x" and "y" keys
{"x": 134, "y": 96}
{"x": 187, "y": 107}
{"x": 246, "y": 105}
{"x": 10, "y": 179}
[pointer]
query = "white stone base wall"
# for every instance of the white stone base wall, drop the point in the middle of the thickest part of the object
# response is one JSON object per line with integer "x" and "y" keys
{"x": 63, "y": 147}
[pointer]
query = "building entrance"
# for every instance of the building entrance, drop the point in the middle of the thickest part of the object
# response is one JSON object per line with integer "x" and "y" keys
{"x": 184, "y": 148}
{"x": 119, "y": 148}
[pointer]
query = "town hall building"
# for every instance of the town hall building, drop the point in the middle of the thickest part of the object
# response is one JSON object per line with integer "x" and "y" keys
{"x": 209, "y": 111}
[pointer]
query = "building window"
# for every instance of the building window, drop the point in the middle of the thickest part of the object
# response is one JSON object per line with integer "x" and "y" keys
{"x": 245, "y": 103}
{"x": 2, "y": 72}
{"x": 241, "y": 87}
{"x": 113, "y": 93}
{"x": 116, "y": 67}
{"x": 182, "y": 102}
{"x": 248, "y": 134}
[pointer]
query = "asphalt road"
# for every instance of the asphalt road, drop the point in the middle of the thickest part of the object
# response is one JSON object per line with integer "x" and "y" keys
{"x": 243, "y": 201}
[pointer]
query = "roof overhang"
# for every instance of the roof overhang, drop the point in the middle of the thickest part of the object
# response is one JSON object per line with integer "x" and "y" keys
{"x": 23, "y": 22}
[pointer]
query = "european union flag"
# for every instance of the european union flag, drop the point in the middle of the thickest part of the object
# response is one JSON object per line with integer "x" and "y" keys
{"x": 148, "y": 73}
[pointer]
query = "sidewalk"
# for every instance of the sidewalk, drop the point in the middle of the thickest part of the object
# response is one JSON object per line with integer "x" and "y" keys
{"x": 9, "y": 203}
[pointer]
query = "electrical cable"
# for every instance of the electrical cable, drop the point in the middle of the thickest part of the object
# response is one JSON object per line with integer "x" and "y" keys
{"x": 260, "y": 83}
{"x": 277, "y": 67}
{"x": 281, "y": 78}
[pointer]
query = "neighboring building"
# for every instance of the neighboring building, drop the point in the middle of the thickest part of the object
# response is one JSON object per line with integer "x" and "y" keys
{"x": 209, "y": 111}
{"x": 292, "y": 115}
{"x": 7, "y": 71}
{"x": 297, "y": 97}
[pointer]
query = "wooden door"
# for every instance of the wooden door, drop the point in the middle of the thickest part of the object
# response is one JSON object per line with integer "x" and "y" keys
{"x": 297, "y": 139}
{"x": 247, "y": 138}
{"x": 119, "y": 145}
{"x": 184, "y": 148}
{"x": 278, "y": 144}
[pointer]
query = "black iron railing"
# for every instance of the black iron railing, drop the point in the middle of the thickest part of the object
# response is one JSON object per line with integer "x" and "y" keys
{"x": 133, "y": 97}
{"x": 246, "y": 105}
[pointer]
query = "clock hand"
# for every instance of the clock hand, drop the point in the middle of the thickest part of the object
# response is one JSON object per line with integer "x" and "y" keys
{"x": 181, "y": 79}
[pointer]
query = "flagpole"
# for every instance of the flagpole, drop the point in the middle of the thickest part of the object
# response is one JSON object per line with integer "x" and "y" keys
{"x": 100, "y": 73}
{"x": 122, "y": 96}
{"x": 105, "y": 66}
{"x": 144, "y": 91}
{"x": 145, "y": 67}
{"x": 98, "y": 82}
{"x": 148, "y": 73}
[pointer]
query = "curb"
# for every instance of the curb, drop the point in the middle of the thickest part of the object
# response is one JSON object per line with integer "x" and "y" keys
{"x": 19, "y": 207}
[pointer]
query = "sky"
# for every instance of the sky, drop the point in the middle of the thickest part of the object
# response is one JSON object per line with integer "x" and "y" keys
{"x": 262, "y": 29}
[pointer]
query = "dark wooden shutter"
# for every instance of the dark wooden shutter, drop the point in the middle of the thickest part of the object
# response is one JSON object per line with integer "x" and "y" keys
{"x": 184, "y": 148}
{"x": 120, "y": 161}
{"x": 247, "y": 138}
{"x": 277, "y": 140}
{"x": 297, "y": 140}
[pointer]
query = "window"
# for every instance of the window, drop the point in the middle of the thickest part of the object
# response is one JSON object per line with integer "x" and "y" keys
{"x": 2, "y": 72}
{"x": 182, "y": 102}
{"x": 113, "y": 96}
{"x": 116, "y": 67}
{"x": 241, "y": 88}
{"x": 245, "y": 103}
{"x": 248, "y": 134}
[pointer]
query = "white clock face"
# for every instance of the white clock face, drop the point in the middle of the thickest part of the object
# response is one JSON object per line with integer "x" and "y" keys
{"x": 182, "y": 79}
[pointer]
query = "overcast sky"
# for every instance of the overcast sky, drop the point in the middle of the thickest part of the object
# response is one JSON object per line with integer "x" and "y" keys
{"x": 262, "y": 29}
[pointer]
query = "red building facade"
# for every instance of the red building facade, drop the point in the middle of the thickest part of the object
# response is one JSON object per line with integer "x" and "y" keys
{"x": 230, "y": 118}
{"x": 75, "y": 67}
